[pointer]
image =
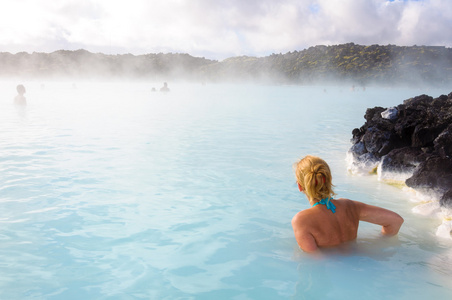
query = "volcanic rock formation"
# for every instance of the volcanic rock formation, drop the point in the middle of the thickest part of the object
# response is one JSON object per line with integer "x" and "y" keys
{"x": 413, "y": 138}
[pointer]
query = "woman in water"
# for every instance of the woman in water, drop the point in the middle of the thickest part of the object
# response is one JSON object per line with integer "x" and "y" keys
{"x": 330, "y": 222}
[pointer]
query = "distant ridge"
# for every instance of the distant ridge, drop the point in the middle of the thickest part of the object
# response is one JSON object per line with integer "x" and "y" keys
{"x": 82, "y": 63}
{"x": 351, "y": 63}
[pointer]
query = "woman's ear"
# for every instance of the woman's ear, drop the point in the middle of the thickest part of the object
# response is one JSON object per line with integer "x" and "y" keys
{"x": 300, "y": 187}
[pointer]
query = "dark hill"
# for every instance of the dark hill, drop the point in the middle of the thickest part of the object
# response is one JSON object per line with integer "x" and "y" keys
{"x": 350, "y": 63}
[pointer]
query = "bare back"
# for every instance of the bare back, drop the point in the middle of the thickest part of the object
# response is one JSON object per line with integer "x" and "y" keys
{"x": 328, "y": 228}
{"x": 319, "y": 227}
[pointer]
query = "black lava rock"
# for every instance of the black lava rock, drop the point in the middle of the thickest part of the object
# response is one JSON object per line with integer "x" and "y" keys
{"x": 414, "y": 137}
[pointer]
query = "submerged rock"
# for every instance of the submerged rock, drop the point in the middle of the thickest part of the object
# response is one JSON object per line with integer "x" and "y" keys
{"x": 413, "y": 138}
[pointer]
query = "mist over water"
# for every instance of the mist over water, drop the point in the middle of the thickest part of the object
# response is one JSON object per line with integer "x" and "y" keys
{"x": 111, "y": 191}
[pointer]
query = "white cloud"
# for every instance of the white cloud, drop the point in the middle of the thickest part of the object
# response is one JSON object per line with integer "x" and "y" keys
{"x": 218, "y": 29}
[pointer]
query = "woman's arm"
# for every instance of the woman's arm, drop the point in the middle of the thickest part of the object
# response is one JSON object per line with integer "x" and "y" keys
{"x": 304, "y": 238}
{"x": 389, "y": 220}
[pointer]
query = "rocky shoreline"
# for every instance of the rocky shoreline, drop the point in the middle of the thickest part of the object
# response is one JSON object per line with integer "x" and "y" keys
{"x": 411, "y": 144}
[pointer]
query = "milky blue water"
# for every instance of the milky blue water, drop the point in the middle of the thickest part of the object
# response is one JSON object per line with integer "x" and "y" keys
{"x": 110, "y": 191}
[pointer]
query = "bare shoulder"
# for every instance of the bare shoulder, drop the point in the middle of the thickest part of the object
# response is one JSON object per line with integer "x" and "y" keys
{"x": 361, "y": 208}
{"x": 346, "y": 202}
{"x": 300, "y": 224}
{"x": 301, "y": 217}
{"x": 303, "y": 221}
{"x": 342, "y": 200}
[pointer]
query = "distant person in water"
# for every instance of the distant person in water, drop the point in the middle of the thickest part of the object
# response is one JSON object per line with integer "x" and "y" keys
{"x": 330, "y": 222}
{"x": 20, "y": 98}
{"x": 164, "y": 88}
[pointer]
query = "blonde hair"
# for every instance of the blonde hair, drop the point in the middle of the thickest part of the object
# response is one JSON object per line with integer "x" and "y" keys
{"x": 314, "y": 176}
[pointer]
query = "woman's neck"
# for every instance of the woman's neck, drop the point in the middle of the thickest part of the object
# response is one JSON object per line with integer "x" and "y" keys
{"x": 313, "y": 201}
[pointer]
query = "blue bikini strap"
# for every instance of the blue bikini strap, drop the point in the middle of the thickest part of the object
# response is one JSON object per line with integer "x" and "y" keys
{"x": 328, "y": 203}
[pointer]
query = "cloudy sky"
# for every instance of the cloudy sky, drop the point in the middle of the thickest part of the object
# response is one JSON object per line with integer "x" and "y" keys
{"x": 218, "y": 29}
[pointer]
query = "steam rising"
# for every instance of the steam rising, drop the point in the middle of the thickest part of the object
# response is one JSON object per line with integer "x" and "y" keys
{"x": 348, "y": 64}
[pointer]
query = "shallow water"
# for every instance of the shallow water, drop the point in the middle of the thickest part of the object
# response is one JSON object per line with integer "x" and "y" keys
{"x": 110, "y": 191}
